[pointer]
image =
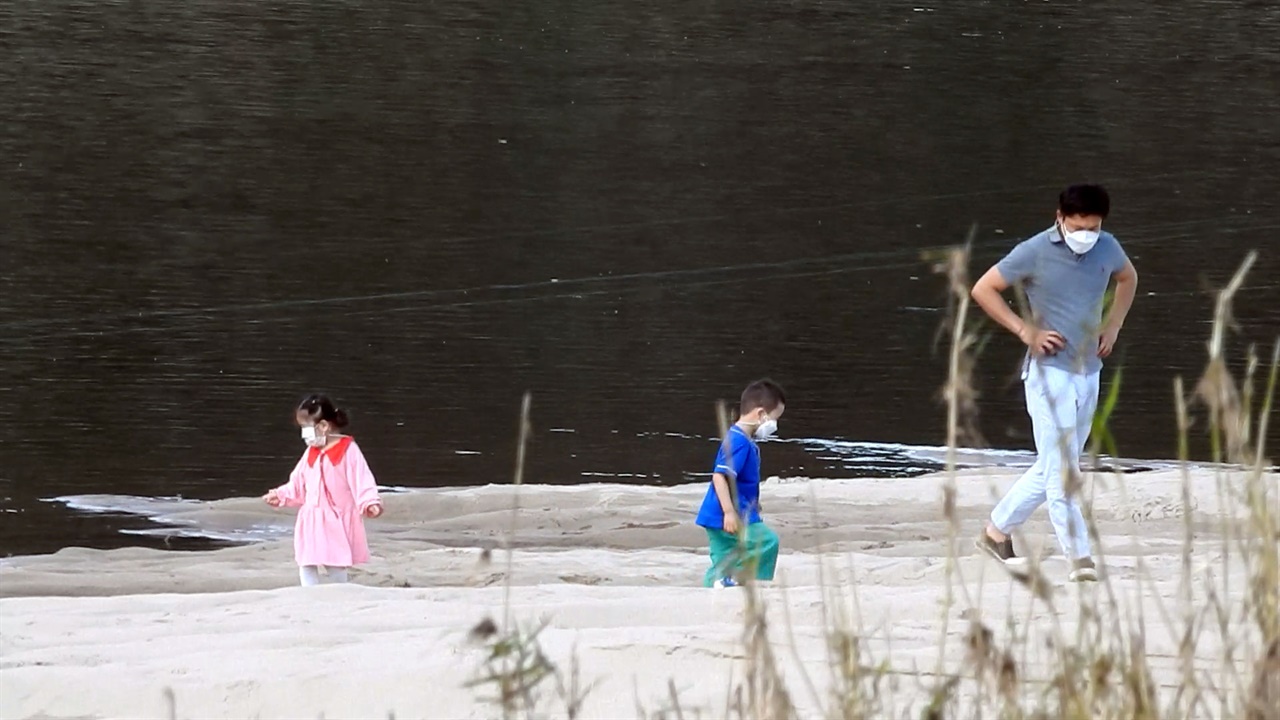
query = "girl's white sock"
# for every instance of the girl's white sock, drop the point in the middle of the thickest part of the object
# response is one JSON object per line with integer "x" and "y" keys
{"x": 309, "y": 574}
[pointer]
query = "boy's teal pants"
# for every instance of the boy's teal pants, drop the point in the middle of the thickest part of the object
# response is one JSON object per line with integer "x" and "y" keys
{"x": 759, "y": 550}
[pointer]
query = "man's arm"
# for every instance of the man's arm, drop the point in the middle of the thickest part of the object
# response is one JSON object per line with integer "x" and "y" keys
{"x": 1126, "y": 287}
{"x": 987, "y": 293}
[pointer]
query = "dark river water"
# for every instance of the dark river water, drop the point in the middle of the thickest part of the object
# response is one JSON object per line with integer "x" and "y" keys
{"x": 629, "y": 209}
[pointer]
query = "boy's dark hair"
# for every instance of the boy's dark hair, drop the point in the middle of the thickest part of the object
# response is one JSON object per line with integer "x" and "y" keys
{"x": 320, "y": 407}
{"x": 1084, "y": 200}
{"x": 765, "y": 394}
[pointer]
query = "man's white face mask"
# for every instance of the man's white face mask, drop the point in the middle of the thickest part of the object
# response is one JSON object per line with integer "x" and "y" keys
{"x": 1080, "y": 241}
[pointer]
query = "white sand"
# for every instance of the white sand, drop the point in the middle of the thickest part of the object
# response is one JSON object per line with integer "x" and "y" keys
{"x": 615, "y": 572}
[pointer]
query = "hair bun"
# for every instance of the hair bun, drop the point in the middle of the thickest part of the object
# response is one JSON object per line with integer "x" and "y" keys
{"x": 340, "y": 418}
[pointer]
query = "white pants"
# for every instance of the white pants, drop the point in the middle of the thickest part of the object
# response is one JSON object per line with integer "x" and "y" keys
{"x": 310, "y": 574}
{"x": 1061, "y": 405}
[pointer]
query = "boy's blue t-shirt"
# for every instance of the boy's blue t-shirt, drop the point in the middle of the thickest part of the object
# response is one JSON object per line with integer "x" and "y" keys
{"x": 743, "y": 461}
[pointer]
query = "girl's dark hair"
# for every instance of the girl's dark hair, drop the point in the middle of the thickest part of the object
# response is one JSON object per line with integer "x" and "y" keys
{"x": 320, "y": 407}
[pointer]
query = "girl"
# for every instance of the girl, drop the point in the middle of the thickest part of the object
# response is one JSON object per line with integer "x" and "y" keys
{"x": 334, "y": 491}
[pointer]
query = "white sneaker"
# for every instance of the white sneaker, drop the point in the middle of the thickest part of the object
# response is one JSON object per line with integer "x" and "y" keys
{"x": 1084, "y": 571}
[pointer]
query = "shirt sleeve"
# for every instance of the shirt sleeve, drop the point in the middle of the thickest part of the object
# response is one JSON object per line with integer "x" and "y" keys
{"x": 364, "y": 488}
{"x": 292, "y": 493}
{"x": 731, "y": 465}
{"x": 1020, "y": 264}
{"x": 1118, "y": 256}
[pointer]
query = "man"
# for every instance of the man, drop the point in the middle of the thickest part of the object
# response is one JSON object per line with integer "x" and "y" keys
{"x": 1065, "y": 272}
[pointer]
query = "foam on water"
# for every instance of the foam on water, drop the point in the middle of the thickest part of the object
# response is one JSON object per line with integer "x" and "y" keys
{"x": 901, "y": 459}
{"x": 180, "y": 517}
{"x": 897, "y": 459}
{"x": 127, "y": 504}
{"x": 257, "y": 533}
{"x": 173, "y": 516}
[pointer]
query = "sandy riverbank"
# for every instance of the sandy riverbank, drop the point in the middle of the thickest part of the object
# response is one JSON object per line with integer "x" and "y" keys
{"x": 613, "y": 569}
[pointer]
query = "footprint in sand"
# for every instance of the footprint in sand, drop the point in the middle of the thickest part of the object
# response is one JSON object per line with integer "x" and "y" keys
{"x": 582, "y": 579}
{"x": 485, "y": 580}
{"x": 648, "y": 526}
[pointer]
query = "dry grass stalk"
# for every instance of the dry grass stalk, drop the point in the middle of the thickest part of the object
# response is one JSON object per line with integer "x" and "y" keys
{"x": 962, "y": 427}
{"x": 515, "y": 666}
{"x": 1229, "y": 420}
{"x": 522, "y": 445}
{"x": 1264, "y": 524}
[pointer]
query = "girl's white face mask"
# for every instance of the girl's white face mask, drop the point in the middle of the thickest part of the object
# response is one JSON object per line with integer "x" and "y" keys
{"x": 311, "y": 437}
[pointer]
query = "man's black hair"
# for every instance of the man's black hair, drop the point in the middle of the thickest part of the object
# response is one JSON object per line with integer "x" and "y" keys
{"x": 1084, "y": 200}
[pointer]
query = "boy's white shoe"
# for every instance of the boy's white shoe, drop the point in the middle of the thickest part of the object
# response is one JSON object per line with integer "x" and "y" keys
{"x": 724, "y": 583}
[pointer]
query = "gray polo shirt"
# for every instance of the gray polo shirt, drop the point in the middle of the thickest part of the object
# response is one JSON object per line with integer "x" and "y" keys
{"x": 1065, "y": 291}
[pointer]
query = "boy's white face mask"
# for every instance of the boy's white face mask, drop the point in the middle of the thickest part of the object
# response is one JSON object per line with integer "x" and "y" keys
{"x": 311, "y": 437}
{"x": 766, "y": 429}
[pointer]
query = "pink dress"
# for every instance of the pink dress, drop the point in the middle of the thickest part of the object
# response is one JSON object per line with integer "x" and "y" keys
{"x": 331, "y": 489}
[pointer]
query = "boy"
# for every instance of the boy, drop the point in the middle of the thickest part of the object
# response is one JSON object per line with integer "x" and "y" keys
{"x": 738, "y": 462}
{"x": 1065, "y": 271}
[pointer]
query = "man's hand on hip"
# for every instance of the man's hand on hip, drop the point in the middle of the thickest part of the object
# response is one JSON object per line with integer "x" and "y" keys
{"x": 1041, "y": 342}
{"x": 1107, "y": 341}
